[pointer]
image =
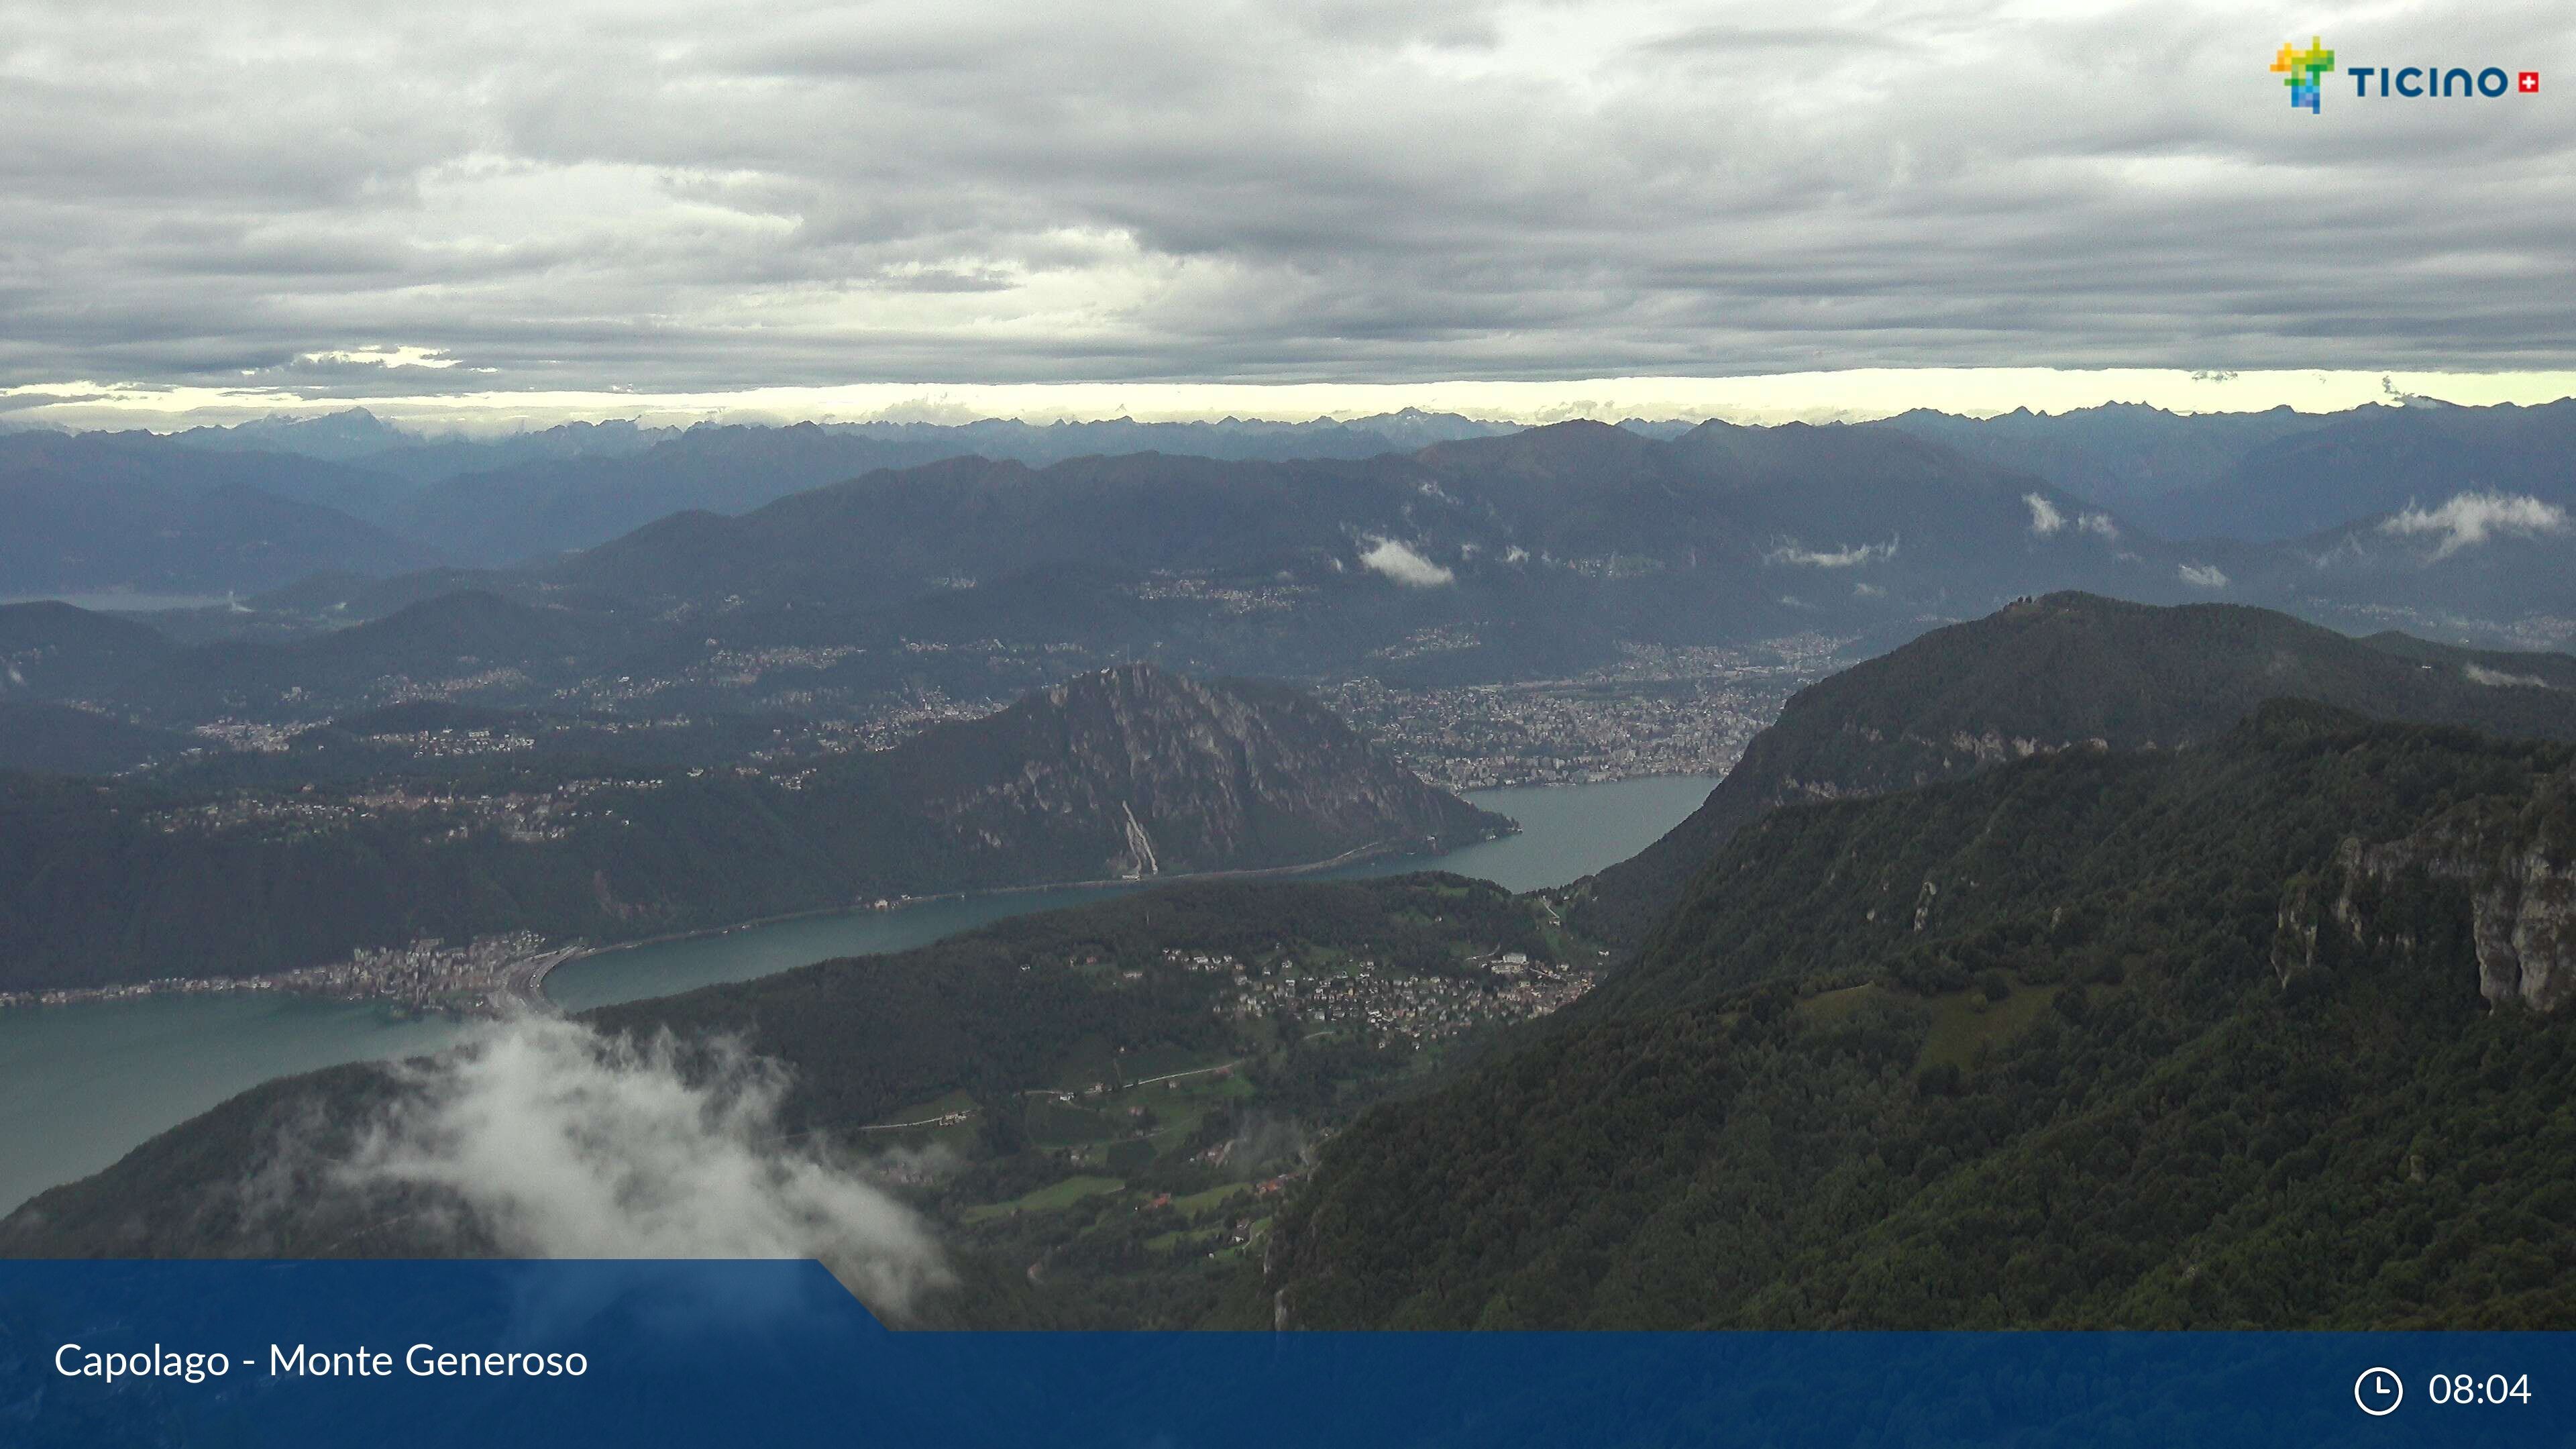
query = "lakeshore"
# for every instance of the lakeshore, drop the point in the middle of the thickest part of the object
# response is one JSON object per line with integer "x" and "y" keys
{"x": 81, "y": 1084}
{"x": 488, "y": 977}
{"x": 493, "y": 976}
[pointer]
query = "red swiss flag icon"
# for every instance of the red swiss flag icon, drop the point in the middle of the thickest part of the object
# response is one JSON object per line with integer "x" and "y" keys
{"x": 2529, "y": 84}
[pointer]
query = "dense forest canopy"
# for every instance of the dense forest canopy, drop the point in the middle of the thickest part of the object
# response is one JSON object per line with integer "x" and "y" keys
{"x": 2078, "y": 1042}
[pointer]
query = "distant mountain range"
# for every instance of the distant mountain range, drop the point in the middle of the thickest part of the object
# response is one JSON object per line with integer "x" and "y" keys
{"x": 1540, "y": 553}
{"x": 1544, "y": 546}
{"x": 1537, "y": 553}
{"x": 97, "y": 511}
{"x": 355, "y": 435}
{"x": 1128, "y": 773}
{"x": 2123, "y": 456}
{"x": 94, "y": 512}
{"x": 2277, "y": 475}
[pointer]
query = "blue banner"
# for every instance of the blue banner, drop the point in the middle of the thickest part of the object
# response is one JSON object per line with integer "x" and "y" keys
{"x": 567, "y": 1355}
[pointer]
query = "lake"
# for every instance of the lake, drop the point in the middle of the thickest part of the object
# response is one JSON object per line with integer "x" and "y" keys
{"x": 1567, "y": 831}
{"x": 82, "y": 1085}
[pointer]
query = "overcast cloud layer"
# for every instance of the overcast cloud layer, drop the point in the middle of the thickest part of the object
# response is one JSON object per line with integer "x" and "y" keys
{"x": 364, "y": 199}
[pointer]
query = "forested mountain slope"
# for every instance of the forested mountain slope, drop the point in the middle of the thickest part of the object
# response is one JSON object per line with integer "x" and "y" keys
{"x": 2067, "y": 671}
{"x": 2266, "y": 1032}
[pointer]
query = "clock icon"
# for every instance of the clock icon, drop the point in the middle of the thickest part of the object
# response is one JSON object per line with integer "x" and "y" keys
{"x": 2378, "y": 1392}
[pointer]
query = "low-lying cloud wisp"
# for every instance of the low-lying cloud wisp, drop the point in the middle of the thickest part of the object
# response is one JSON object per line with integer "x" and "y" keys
{"x": 1789, "y": 552}
{"x": 563, "y": 1142}
{"x": 2047, "y": 519}
{"x": 2499, "y": 679}
{"x": 1404, "y": 564}
{"x": 2470, "y": 519}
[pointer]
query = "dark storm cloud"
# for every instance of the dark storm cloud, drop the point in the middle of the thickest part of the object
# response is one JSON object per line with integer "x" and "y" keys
{"x": 698, "y": 197}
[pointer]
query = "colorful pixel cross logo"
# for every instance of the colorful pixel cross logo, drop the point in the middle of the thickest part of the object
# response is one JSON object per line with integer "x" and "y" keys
{"x": 2304, "y": 72}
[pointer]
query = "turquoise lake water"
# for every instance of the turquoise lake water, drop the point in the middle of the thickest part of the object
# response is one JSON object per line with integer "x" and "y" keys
{"x": 82, "y": 1085}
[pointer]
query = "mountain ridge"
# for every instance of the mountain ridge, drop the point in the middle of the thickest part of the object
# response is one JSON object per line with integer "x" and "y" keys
{"x": 2059, "y": 672}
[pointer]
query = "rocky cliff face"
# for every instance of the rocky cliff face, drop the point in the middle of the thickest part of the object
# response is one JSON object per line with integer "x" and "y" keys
{"x": 2526, "y": 933}
{"x": 2511, "y": 872}
{"x": 1135, "y": 771}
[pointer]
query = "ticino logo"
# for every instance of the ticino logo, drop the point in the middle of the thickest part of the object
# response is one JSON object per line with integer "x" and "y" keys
{"x": 2304, "y": 71}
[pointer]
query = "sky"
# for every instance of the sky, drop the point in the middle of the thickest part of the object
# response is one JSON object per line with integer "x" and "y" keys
{"x": 520, "y": 213}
